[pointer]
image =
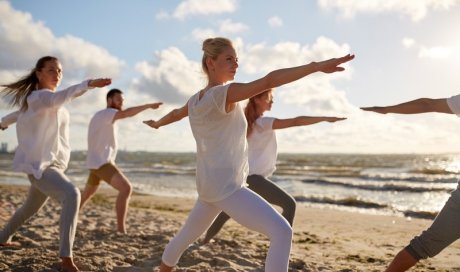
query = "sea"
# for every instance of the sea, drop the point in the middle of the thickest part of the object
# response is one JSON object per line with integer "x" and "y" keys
{"x": 408, "y": 185}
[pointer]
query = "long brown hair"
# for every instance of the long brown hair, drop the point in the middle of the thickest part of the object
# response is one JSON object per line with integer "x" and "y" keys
{"x": 251, "y": 112}
{"x": 18, "y": 91}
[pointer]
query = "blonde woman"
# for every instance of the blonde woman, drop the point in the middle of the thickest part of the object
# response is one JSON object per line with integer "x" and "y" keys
{"x": 219, "y": 128}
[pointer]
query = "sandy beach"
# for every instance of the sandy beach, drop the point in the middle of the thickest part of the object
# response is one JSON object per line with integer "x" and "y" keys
{"x": 324, "y": 239}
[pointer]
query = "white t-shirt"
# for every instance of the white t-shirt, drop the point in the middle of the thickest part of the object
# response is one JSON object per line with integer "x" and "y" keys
{"x": 102, "y": 139}
{"x": 262, "y": 148}
{"x": 222, "y": 155}
{"x": 454, "y": 104}
{"x": 43, "y": 131}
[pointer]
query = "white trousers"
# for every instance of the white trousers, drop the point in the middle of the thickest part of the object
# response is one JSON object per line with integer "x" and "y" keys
{"x": 248, "y": 209}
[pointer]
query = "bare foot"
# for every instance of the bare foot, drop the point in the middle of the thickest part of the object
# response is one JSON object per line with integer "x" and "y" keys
{"x": 68, "y": 265}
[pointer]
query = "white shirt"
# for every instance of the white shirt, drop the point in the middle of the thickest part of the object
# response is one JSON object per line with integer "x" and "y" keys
{"x": 454, "y": 104}
{"x": 102, "y": 139}
{"x": 262, "y": 148}
{"x": 9, "y": 119}
{"x": 222, "y": 158}
{"x": 43, "y": 131}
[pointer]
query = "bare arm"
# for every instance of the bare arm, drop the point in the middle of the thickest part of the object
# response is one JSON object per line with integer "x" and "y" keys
{"x": 241, "y": 91}
{"x": 303, "y": 121}
{"x": 129, "y": 112}
{"x": 421, "y": 105}
{"x": 173, "y": 116}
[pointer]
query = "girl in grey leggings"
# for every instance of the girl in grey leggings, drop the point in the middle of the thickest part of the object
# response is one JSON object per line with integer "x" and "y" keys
{"x": 43, "y": 152}
{"x": 262, "y": 149}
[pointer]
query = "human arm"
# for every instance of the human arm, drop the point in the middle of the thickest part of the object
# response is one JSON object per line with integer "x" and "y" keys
{"x": 420, "y": 105}
{"x": 56, "y": 99}
{"x": 303, "y": 121}
{"x": 8, "y": 120}
{"x": 173, "y": 116}
{"x": 241, "y": 91}
{"x": 129, "y": 112}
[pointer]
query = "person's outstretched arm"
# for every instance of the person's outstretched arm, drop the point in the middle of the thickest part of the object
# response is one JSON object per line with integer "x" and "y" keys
{"x": 242, "y": 91}
{"x": 8, "y": 120}
{"x": 173, "y": 116}
{"x": 129, "y": 112}
{"x": 303, "y": 121}
{"x": 420, "y": 105}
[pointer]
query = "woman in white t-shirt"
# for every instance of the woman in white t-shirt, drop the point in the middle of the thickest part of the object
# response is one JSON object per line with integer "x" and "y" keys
{"x": 219, "y": 128}
{"x": 262, "y": 154}
{"x": 43, "y": 152}
{"x": 446, "y": 226}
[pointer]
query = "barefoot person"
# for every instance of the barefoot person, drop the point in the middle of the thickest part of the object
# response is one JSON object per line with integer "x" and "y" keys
{"x": 102, "y": 151}
{"x": 42, "y": 127}
{"x": 446, "y": 226}
{"x": 219, "y": 128}
{"x": 262, "y": 154}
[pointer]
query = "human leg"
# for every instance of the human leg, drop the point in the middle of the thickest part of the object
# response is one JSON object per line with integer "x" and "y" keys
{"x": 91, "y": 187}
{"x": 55, "y": 184}
{"x": 444, "y": 231}
{"x": 33, "y": 203}
{"x": 252, "y": 211}
{"x": 216, "y": 226}
{"x": 274, "y": 195}
{"x": 199, "y": 219}
{"x": 124, "y": 188}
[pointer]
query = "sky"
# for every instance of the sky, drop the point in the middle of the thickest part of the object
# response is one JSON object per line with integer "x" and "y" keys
{"x": 152, "y": 51}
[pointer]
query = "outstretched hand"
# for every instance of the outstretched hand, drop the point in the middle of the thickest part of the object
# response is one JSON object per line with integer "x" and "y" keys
{"x": 335, "y": 119}
{"x": 332, "y": 65}
{"x": 99, "y": 82}
{"x": 381, "y": 110}
{"x": 156, "y": 105}
{"x": 151, "y": 123}
{"x": 2, "y": 127}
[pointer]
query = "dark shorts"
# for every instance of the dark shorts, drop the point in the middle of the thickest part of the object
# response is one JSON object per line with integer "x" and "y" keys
{"x": 105, "y": 173}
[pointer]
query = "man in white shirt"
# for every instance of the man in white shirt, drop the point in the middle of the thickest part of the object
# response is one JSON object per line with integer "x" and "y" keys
{"x": 102, "y": 151}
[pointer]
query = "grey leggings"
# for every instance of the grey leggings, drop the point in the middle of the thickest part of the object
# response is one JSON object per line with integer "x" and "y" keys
{"x": 443, "y": 232}
{"x": 270, "y": 192}
{"x": 55, "y": 184}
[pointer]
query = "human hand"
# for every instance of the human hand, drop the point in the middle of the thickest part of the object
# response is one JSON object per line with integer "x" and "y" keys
{"x": 332, "y": 65}
{"x": 156, "y": 105}
{"x": 381, "y": 110}
{"x": 151, "y": 123}
{"x": 335, "y": 119}
{"x": 99, "y": 82}
{"x": 2, "y": 127}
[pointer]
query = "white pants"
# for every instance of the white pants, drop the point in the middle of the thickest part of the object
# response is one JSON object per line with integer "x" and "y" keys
{"x": 248, "y": 209}
{"x": 53, "y": 184}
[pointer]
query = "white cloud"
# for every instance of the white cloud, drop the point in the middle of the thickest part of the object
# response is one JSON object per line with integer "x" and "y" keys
{"x": 416, "y": 9}
{"x": 162, "y": 15}
{"x": 437, "y": 52}
{"x": 171, "y": 78}
{"x": 23, "y": 41}
{"x": 200, "y": 34}
{"x": 275, "y": 21}
{"x": 229, "y": 27}
{"x": 203, "y": 7}
{"x": 408, "y": 42}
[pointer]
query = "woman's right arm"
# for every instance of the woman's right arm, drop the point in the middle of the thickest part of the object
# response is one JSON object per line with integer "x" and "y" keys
{"x": 8, "y": 120}
{"x": 420, "y": 105}
{"x": 55, "y": 99}
{"x": 241, "y": 91}
{"x": 173, "y": 116}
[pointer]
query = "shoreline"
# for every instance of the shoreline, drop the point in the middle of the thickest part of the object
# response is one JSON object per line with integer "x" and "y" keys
{"x": 324, "y": 239}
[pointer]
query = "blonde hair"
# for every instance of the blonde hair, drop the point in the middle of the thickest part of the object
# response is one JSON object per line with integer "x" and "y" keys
{"x": 251, "y": 112}
{"x": 212, "y": 48}
{"x": 19, "y": 90}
